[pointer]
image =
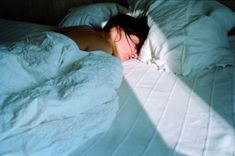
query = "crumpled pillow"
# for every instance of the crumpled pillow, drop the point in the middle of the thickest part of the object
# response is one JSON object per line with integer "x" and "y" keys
{"x": 189, "y": 37}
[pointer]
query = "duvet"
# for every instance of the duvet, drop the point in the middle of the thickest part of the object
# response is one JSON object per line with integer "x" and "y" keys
{"x": 53, "y": 96}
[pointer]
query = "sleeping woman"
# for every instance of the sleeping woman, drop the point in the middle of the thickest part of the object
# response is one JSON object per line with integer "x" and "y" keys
{"x": 122, "y": 36}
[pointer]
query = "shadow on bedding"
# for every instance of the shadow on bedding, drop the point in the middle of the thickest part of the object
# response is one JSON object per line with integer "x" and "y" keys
{"x": 212, "y": 89}
{"x": 132, "y": 133}
{"x": 215, "y": 90}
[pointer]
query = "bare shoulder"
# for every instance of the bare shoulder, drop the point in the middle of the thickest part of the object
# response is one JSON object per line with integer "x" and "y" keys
{"x": 97, "y": 42}
{"x": 87, "y": 38}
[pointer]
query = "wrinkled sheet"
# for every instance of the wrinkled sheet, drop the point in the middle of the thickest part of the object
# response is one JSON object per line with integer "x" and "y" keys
{"x": 53, "y": 96}
{"x": 162, "y": 114}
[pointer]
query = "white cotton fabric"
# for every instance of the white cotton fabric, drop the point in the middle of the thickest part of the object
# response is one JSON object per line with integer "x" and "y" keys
{"x": 53, "y": 96}
{"x": 159, "y": 114}
{"x": 189, "y": 37}
{"x": 164, "y": 114}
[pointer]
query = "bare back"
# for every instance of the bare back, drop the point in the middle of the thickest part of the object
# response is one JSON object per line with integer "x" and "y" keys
{"x": 87, "y": 38}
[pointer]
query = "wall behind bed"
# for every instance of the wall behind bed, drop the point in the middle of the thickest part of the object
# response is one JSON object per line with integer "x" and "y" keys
{"x": 48, "y": 12}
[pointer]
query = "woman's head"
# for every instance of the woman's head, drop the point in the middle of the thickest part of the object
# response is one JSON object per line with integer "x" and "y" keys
{"x": 131, "y": 32}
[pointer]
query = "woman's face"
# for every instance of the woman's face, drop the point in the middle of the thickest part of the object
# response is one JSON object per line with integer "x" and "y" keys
{"x": 125, "y": 46}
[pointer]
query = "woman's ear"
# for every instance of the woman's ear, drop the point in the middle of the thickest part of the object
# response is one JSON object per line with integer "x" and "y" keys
{"x": 116, "y": 33}
{"x": 119, "y": 31}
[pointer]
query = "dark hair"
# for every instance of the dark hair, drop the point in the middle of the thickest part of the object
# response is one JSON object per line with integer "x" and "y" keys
{"x": 137, "y": 26}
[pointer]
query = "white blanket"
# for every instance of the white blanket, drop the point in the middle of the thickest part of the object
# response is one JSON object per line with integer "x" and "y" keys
{"x": 53, "y": 96}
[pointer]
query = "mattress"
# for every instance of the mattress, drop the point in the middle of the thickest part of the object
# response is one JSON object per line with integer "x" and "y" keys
{"x": 161, "y": 113}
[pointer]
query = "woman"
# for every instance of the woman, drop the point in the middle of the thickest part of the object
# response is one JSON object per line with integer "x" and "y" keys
{"x": 122, "y": 36}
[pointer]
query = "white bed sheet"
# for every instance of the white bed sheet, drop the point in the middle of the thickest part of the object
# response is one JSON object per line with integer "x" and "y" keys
{"x": 161, "y": 114}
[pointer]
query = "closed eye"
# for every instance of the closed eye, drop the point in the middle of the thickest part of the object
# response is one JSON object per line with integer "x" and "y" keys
{"x": 133, "y": 42}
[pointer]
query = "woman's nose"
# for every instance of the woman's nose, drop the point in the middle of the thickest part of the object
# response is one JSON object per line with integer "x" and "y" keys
{"x": 134, "y": 56}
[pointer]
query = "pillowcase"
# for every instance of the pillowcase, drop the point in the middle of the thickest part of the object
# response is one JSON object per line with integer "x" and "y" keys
{"x": 189, "y": 37}
{"x": 92, "y": 14}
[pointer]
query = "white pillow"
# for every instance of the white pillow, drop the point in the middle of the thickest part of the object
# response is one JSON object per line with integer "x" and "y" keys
{"x": 189, "y": 37}
{"x": 92, "y": 14}
{"x": 154, "y": 46}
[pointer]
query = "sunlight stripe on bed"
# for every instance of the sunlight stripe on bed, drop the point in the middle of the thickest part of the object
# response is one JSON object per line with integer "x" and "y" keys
{"x": 166, "y": 114}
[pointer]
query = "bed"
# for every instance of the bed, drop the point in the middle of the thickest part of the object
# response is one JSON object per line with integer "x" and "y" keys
{"x": 176, "y": 99}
